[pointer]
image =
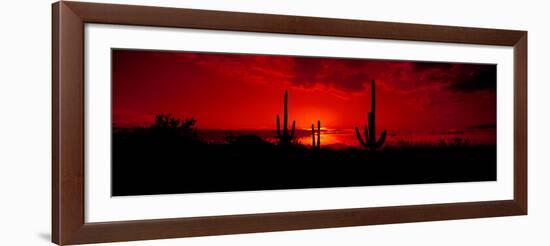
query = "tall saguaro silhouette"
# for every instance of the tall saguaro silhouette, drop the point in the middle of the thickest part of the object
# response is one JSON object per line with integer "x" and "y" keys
{"x": 370, "y": 130}
{"x": 285, "y": 137}
{"x": 318, "y": 144}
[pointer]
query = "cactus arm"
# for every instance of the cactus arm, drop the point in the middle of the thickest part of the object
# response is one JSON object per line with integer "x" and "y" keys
{"x": 318, "y": 144}
{"x": 293, "y": 127}
{"x": 285, "y": 115}
{"x": 318, "y": 134}
{"x": 367, "y": 136}
{"x": 381, "y": 140}
{"x": 373, "y": 99}
{"x": 312, "y": 135}
{"x": 278, "y": 127}
{"x": 361, "y": 141}
{"x": 372, "y": 133}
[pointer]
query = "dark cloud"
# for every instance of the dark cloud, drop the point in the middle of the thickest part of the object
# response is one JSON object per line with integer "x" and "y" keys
{"x": 477, "y": 78}
{"x": 306, "y": 71}
{"x": 351, "y": 75}
{"x": 421, "y": 66}
{"x": 458, "y": 77}
{"x": 348, "y": 75}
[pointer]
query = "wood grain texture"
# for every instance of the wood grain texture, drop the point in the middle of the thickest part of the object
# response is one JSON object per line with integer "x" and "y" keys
{"x": 68, "y": 121}
{"x": 233, "y": 224}
{"x": 520, "y": 122}
{"x": 55, "y": 123}
{"x": 251, "y": 22}
{"x": 68, "y": 224}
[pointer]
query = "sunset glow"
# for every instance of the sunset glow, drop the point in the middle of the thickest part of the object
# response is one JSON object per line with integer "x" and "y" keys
{"x": 416, "y": 101}
{"x": 189, "y": 122}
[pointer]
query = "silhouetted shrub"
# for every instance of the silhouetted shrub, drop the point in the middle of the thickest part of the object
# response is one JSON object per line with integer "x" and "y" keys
{"x": 168, "y": 125}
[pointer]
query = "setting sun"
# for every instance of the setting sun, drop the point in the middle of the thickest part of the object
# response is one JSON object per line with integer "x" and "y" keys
{"x": 192, "y": 118}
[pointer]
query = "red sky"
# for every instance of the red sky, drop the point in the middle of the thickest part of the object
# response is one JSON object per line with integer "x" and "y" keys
{"x": 232, "y": 91}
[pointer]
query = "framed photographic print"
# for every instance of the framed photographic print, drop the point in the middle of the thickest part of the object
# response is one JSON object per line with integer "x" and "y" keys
{"x": 177, "y": 122}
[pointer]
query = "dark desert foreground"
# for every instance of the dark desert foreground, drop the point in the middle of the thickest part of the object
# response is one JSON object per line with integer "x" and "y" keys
{"x": 164, "y": 160}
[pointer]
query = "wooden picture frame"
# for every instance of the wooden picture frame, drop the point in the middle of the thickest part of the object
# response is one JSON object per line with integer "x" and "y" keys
{"x": 68, "y": 223}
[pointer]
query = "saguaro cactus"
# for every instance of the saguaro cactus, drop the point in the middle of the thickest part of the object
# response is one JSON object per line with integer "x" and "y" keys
{"x": 370, "y": 131}
{"x": 285, "y": 137}
{"x": 318, "y": 145}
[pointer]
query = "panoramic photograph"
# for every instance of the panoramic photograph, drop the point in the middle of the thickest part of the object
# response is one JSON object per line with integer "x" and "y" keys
{"x": 193, "y": 122}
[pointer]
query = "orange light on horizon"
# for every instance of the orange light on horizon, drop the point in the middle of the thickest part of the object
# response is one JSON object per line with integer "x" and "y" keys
{"x": 246, "y": 92}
